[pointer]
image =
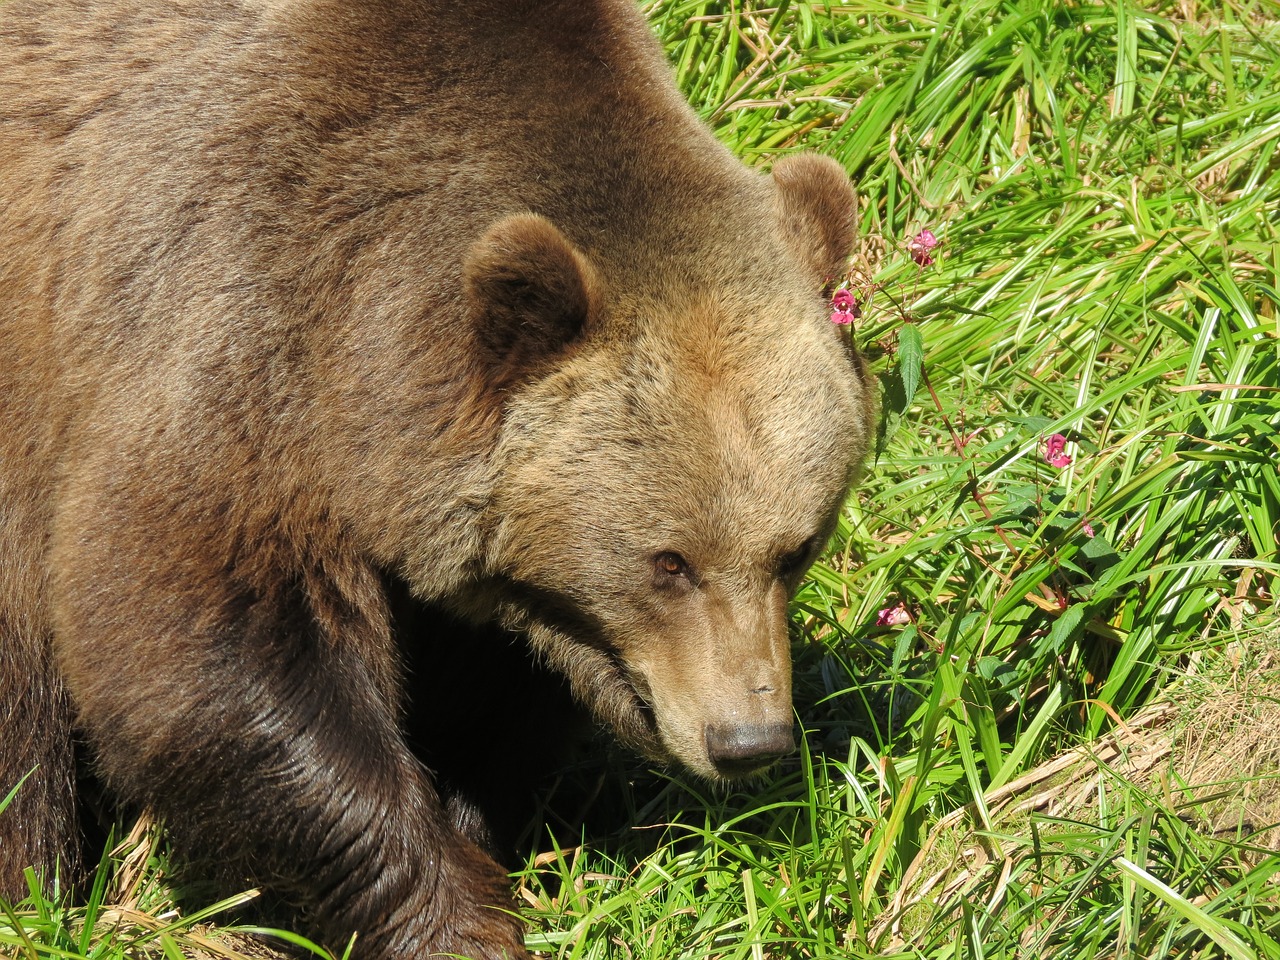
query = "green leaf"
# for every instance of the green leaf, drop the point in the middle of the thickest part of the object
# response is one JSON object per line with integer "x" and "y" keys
{"x": 910, "y": 359}
{"x": 1065, "y": 627}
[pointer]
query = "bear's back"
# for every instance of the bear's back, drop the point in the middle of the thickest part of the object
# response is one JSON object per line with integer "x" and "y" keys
{"x": 204, "y": 178}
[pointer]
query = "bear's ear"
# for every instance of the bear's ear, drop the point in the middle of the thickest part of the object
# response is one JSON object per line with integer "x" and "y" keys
{"x": 818, "y": 211}
{"x": 530, "y": 290}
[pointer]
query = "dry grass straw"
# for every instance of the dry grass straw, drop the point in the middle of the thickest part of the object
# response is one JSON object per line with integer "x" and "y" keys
{"x": 129, "y": 913}
{"x": 1230, "y": 747}
{"x": 1210, "y": 748}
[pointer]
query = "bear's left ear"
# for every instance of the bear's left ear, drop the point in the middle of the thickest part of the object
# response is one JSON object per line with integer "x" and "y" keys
{"x": 817, "y": 209}
{"x": 530, "y": 290}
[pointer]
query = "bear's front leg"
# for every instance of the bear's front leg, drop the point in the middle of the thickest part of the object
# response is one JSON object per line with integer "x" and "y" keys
{"x": 268, "y": 741}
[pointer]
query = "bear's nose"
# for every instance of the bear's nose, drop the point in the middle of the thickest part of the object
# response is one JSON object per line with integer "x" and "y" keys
{"x": 741, "y": 749}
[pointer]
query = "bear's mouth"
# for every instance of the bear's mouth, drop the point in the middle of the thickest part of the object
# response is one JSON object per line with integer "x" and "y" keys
{"x": 616, "y": 696}
{"x": 638, "y": 688}
{"x": 640, "y": 691}
{"x": 574, "y": 644}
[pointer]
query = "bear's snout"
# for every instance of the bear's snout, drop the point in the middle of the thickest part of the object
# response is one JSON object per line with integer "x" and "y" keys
{"x": 738, "y": 750}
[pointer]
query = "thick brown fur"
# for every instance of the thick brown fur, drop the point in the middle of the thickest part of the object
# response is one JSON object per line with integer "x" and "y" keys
{"x": 300, "y": 297}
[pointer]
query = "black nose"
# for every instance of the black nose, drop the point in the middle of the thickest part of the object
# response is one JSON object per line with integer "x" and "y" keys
{"x": 745, "y": 748}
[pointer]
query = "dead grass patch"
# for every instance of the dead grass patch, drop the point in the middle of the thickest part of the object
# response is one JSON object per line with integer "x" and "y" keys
{"x": 1208, "y": 752}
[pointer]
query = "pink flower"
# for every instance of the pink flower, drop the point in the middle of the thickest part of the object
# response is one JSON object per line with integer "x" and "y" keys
{"x": 1054, "y": 451}
{"x": 844, "y": 307}
{"x": 893, "y": 616}
{"x": 1087, "y": 527}
{"x": 921, "y": 245}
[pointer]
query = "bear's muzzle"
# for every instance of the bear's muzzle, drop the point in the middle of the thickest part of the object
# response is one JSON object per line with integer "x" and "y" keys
{"x": 739, "y": 750}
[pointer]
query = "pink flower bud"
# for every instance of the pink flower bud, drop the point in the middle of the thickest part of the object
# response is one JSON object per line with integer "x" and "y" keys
{"x": 1054, "y": 451}
{"x": 894, "y": 616}
{"x": 921, "y": 245}
{"x": 844, "y": 307}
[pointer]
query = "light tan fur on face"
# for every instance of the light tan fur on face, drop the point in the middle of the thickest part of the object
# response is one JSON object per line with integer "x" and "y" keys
{"x": 726, "y": 433}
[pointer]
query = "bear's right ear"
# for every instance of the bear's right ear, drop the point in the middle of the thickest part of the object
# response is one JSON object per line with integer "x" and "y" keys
{"x": 818, "y": 211}
{"x": 531, "y": 292}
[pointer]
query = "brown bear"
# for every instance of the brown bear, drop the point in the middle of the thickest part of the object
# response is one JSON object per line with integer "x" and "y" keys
{"x": 305, "y": 304}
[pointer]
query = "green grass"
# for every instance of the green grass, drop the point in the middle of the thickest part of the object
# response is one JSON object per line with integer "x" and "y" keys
{"x": 1105, "y": 180}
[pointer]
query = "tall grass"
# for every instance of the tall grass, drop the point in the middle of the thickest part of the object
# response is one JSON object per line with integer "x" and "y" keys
{"x": 1105, "y": 182}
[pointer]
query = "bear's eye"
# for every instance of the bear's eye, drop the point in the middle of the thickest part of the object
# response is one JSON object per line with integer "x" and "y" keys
{"x": 790, "y": 564}
{"x": 669, "y": 567}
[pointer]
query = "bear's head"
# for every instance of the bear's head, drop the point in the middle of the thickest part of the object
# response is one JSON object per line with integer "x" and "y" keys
{"x": 672, "y": 459}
